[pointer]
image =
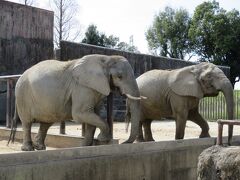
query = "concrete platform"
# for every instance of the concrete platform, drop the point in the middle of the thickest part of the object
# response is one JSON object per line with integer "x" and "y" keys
{"x": 53, "y": 140}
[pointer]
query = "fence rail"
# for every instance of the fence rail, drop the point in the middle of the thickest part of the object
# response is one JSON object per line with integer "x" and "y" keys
{"x": 213, "y": 108}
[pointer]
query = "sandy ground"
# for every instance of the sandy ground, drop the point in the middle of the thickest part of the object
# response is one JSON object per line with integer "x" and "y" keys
{"x": 162, "y": 131}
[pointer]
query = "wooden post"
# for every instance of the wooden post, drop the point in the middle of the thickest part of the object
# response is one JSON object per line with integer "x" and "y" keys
{"x": 109, "y": 112}
{"x": 62, "y": 128}
{"x": 83, "y": 129}
{"x": 220, "y": 130}
{"x": 9, "y": 107}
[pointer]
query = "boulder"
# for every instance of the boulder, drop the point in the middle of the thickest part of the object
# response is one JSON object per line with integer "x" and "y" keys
{"x": 219, "y": 163}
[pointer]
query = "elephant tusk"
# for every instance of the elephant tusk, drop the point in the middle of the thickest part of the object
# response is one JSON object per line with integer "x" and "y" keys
{"x": 135, "y": 98}
{"x": 143, "y": 97}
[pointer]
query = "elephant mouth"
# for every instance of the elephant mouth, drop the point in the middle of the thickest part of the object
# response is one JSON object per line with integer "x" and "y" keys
{"x": 212, "y": 94}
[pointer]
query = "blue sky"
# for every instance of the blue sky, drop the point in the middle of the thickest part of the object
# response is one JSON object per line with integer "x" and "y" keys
{"x": 125, "y": 18}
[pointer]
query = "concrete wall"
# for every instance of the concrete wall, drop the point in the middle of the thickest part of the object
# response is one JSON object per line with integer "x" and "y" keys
{"x": 141, "y": 161}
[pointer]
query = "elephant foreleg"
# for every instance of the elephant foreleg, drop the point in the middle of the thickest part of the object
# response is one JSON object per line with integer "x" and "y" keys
{"x": 181, "y": 119}
{"x": 89, "y": 135}
{"x": 198, "y": 119}
{"x": 40, "y": 137}
{"x": 147, "y": 130}
{"x": 94, "y": 120}
{"x": 27, "y": 140}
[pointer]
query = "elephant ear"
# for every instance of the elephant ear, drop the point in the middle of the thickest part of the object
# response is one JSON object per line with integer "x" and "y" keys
{"x": 184, "y": 82}
{"x": 89, "y": 71}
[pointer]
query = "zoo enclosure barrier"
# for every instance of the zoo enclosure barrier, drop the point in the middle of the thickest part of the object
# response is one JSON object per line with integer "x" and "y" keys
{"x": 230, "y": 124}
{"x": 11, "y": 80}
{"x": 213, "y": 108}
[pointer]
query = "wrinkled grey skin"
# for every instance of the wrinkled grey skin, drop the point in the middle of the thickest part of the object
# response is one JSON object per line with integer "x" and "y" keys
{"x": 53, "y": 91}
{"x": 177, "y": 94}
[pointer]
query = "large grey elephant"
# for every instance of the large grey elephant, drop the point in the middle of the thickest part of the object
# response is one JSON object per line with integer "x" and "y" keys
{"x": 176, "y": 94}
{"x": 53, "y": 91}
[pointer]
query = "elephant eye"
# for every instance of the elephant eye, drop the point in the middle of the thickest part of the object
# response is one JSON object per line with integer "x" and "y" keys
{"x": 119, "y": 76}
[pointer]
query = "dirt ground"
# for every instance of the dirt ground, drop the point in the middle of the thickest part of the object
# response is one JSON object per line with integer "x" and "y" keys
{"x": 162, "y": 131}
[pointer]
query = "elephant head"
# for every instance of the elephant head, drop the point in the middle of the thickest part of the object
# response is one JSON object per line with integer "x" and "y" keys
{"x": 106, "y": 73}
{"x": 201, "y": 80}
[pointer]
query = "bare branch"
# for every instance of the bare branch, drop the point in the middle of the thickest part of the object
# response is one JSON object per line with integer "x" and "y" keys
{"x": 65, "y": 25}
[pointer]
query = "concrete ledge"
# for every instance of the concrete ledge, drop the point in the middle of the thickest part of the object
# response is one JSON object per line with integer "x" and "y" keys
{"x": 53, "y": 140}
{"x": 153, "y": 160}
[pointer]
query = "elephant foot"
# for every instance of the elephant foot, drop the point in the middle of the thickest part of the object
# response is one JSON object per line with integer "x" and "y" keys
{"x": 39, "y": 146}
{"x": 27, "y": 147}
{"x": 86, "y": 142}
{"x": 150, "y": 140}
{"x": 204, "y": 135}
{"x": 140, "y": 139}
{"x": 104, "y": 137}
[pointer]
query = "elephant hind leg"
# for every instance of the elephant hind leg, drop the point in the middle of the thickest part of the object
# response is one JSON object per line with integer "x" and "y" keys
{"x": 147, "y": 130}
{"x": 198, "y": 119}
{"x": 27, "y": 140}
{"x": 40, "y": 137}
{"x": 140, "y": 137}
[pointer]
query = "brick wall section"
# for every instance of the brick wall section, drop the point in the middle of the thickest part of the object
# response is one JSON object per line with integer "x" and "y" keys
{"x": 26, "y": 36}
{"x": 139, "y": 62}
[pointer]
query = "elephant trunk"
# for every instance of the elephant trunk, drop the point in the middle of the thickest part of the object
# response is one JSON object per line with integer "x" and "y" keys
{"x": 134, "y": 110}
{"x": 227, "y": 90}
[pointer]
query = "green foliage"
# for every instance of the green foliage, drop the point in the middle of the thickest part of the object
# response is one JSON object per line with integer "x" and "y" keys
{"x": 94, "y": 37}
{"x": 168, "y": 36}
{"x": 127, "y": 47}
{"x": 215, "y": 36}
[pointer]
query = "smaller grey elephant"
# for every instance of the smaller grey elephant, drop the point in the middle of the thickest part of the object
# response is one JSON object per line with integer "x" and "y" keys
{"x": 53, "y": 91}
{"x": 177, "y": 93}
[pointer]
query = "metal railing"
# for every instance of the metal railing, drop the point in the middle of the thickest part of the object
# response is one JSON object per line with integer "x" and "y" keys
{"x": 213, "y": 108}
{"x": 10, "y": 80}
{"x": 230, "y": 124}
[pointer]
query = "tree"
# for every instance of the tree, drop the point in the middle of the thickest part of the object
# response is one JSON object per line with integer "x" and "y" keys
{"x": 215, "y": 36}
{"x": 168, "y": 35}
{"x": 94, "y": 37}
{"x": 28, "y": 2}
{"x": 65, "y": 25}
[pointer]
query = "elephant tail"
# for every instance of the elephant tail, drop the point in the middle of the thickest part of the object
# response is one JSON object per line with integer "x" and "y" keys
{"x": 14, "y": 126}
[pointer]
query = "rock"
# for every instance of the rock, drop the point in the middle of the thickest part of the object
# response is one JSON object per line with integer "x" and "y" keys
{"x": 219, "y": 163}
